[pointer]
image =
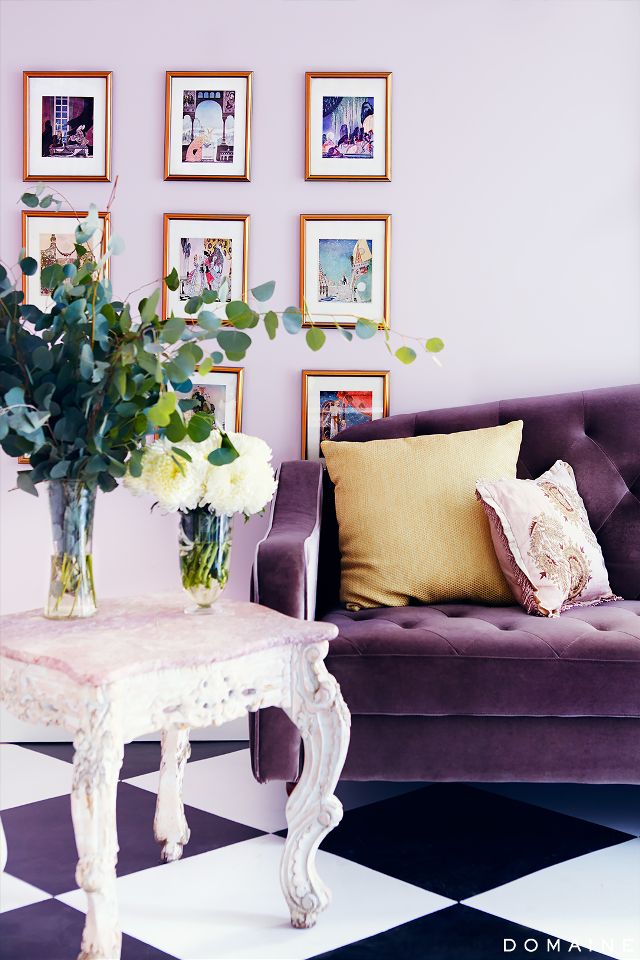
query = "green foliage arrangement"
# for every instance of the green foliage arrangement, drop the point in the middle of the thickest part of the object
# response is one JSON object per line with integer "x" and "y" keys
{"x": 83, "y": 384}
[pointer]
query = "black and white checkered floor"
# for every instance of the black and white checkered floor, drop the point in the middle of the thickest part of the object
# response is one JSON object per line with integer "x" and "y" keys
{"x": 448, "y": 872}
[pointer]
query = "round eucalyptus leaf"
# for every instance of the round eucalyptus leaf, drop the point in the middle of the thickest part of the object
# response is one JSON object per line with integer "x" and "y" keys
{"x": 405, "y": 354}
{"x": 315, "y": 338}
{"x": 28, "y": 266}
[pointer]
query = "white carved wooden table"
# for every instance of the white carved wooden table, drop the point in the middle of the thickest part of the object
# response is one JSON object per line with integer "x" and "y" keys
{"x": 142, "y": 665}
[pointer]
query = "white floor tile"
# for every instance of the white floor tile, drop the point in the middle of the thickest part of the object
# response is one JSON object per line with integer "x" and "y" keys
{"x": 226, "y": 786}
{"x": 592, "y": 900}
{"x": 27, "y": 776}
{"x": 611, "y": 805}
{"x": 228, "y": 904}
{"x": 16, "y": 893}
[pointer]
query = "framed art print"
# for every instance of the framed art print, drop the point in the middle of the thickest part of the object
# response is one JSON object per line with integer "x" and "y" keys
{"x": 210, "y": 253}
{"x": 219, "y": 393}
{"x": 333, "y": 400}
{"x": 50, "y": 238}
{"x": 348, "y": 129}
{"x": 344, "y": 268}
{"x": 67, "y": 125}
{"x": 208, "y": 126}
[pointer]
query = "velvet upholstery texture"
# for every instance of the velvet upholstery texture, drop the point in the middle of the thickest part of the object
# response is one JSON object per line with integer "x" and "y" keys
{"x": 460, "y": 691}
{"x": 492, "y": 749}
{"x": 463, "y": 659}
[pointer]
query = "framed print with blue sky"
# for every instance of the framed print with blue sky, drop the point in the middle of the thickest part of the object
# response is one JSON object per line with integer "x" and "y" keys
{"x": 67, "y": 125}
{"x": 209, "y": 252}
{"x": 344, "y": 268}
{"x": 348, "y": 128}
{"x": 208, "y": 126}
{"x": 334, "y": 400}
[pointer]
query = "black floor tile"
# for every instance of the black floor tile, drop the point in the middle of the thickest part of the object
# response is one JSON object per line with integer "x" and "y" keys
{"x": 458, "y": 841}
{"x": 51, "y": 930}
{"x": 42, "y": 848}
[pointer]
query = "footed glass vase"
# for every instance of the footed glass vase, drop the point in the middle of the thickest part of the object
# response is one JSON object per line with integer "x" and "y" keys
{"x": 205, "y": 554}
{"x": 71, "y": 588}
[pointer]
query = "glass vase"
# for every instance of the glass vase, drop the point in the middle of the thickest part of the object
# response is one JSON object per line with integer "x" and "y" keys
{"x": 205, "y": 553}
{"x": 71, "y": 588}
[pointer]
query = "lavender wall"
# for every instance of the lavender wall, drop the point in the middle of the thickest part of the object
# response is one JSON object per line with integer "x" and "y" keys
{"x": 515, "y": 201}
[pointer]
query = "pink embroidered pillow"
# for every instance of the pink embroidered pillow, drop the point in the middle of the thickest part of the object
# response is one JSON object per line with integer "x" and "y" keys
{"x": 544, "y": 543}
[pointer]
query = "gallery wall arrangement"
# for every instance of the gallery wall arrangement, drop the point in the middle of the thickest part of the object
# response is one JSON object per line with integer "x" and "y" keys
{"x": 344, "y": 258}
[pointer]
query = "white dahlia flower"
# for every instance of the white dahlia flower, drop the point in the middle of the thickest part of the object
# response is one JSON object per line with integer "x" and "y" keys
{"x": 175, "y": 482}
{"x": 244, "y": 486}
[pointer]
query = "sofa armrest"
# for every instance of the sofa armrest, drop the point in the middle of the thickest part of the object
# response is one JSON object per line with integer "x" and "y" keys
{"x": 285, "y": 576}
{"x": 285, "y": 572}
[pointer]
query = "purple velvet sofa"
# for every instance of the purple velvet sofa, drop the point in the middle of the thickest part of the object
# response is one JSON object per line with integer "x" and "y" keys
{"x": 462, "y": 691}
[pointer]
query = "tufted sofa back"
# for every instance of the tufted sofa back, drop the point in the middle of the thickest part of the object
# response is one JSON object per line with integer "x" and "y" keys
{"x": 596, "y": 431}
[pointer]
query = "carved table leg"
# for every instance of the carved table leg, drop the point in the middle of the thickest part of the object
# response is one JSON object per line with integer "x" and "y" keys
{"x": 170, "y": 826}
{"x": 96, "y": 764}
{"x": 321, "y": 715}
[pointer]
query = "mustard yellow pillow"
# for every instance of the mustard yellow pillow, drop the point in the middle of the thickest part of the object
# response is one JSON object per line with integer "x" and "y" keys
{"x": 410, "y": 526}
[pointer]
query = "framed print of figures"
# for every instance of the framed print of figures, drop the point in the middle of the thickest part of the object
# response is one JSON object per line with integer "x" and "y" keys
{"x": 219, "y": 393}
{"x": 208, "y": 126}
{"x": 209, "y": 253}
{"x": 50, "y": 238}
{"x": 67, "y": 125}
{"x": 333, "y": 400}
{"x": 344, "y": 268}
{"x": 348, "y": 131}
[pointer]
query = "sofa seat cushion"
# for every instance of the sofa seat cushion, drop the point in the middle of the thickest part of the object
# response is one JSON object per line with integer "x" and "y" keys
{"x": 471, "y": 660}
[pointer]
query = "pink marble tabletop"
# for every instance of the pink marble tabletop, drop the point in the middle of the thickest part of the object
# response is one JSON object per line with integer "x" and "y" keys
{"x": 136, "y": 635}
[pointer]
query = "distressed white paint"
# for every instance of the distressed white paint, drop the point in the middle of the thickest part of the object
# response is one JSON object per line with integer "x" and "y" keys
{"x": 105, "y": 701}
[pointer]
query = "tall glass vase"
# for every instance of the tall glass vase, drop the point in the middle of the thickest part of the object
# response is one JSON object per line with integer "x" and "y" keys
{"x": 71, "y": 588}
{"x": 205, "y": 554}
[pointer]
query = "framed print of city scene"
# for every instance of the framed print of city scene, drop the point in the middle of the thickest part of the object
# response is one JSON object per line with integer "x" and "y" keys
{"x": 210, "y": 253}
{"x": 348, "y": 128}
{"x": 49, "y": 238}
{"x": 219, "y": 393}
{"x": 67, "y": 126}
{"x": 334, "y": 400}
{"x": 344, "y": 268}
{"x": 208, "y": 126}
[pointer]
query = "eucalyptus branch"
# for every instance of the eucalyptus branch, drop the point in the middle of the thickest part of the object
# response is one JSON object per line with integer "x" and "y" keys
{"x": 101, "y": 377}
{"x": 112, "y": 195}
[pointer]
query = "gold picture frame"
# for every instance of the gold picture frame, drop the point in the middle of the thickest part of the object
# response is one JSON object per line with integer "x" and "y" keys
{"x": 173, "y": 167}
{"x": 241, "y": 289}
{"x": 318, "y": 162}
{"x": 313, "y": 433}
{"x": 58, "y": 215}
{"x": 312, "y": 308}
{"x": 29, "y": 171}
{"x": 215, "y": 377}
